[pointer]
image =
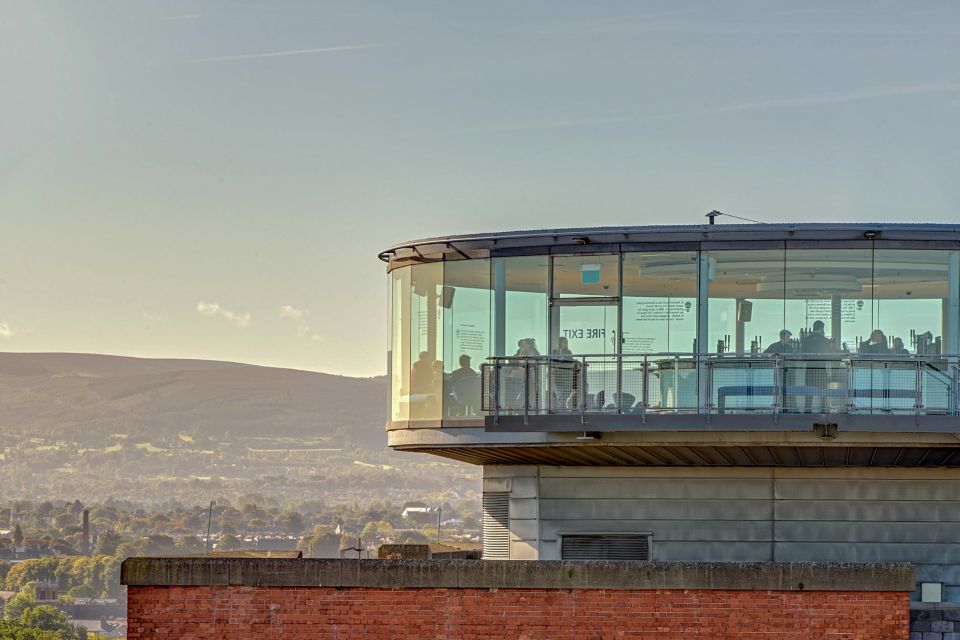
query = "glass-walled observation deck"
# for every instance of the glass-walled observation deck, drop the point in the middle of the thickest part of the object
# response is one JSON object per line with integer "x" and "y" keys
{"x": 770, "y": 320}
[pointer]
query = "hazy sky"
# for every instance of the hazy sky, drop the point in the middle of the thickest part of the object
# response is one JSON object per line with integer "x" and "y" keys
{"x": 215, "y": 179}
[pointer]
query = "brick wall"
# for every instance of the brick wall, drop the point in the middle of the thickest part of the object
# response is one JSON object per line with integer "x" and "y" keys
{"x": 208, "y": 612}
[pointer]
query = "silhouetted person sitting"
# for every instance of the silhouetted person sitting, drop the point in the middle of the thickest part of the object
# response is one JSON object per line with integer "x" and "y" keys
{"x": 783, "y": 345}
{"x": 563, "y": 349}
{"x": 898, "y": 349}
{"x": 425, "y": 388}
{"x": 876, "y": 345}
{"x": 526, "y": 347}
{"x": 530, "y": 347}
{"x": 421, "y": 375}
{"x": 465, "y": 370}
{"x": 465, "y": 388}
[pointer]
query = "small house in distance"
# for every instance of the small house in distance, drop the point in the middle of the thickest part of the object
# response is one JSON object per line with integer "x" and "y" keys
{"x": 418, "y": 512}
{"x": 46, "y": 593}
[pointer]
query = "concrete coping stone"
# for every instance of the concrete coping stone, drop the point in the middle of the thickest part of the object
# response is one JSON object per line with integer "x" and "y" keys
{"x": 517, "y": 574}
{"x": 934, "y": 606}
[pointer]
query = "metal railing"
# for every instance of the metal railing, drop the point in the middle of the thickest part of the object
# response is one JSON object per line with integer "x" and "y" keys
{"x": 696, "y": 383}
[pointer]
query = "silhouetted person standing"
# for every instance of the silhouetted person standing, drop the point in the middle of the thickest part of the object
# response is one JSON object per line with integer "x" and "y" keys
{"x": 562, "y": 372}
{"x": 785, "y": 373}
{"x": 817, "y": 370}
{"x": 816, "y": 341}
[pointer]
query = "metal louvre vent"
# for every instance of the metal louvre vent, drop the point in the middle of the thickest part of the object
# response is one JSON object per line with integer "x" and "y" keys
{"x": 496, "y": 525}
{"x": 606, "y": 546}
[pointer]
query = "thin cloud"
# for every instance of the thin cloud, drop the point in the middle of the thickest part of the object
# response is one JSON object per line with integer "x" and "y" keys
{"x": 772, "y": 30}
{"x": 5, "y": 330}
{"x": 857, "y": 95}
{"x": 661, "y": 22}
{"x": 291, "y": 312}
{"x": 291, "y": 52}
{"x": 214, "y": 310}
{"x": 182, "y": 16}
{"x": 299, "y": 316}
{"x": 154, "y": 318}
{"x": 794, "y": 102}
{"x": 625, "y": 23}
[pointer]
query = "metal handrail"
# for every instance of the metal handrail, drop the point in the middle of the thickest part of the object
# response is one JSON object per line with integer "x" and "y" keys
{"x": 712, "y": 383}
{"x": 794, "y": 355}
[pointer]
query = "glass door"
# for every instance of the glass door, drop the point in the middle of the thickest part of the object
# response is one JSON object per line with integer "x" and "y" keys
{"x": 585, "y": 343}
{"x": 586, "y": 329}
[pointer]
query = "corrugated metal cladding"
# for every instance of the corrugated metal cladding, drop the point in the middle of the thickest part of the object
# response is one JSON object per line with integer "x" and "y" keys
{"x": 496, "y": 525}
{"x": 605, "y": 547}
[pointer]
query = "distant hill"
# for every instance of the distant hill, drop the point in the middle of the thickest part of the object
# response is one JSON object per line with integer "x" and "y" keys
{"x": 96, "y": 426}
{"x": 81, "y": 395}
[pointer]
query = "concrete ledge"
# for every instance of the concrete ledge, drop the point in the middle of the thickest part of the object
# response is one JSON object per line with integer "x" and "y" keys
{"x": 935, "y": 606}
{"x": 538, "y": 574}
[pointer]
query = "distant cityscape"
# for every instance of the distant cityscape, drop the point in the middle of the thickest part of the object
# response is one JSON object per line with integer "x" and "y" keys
{"x": 292, "y": 462}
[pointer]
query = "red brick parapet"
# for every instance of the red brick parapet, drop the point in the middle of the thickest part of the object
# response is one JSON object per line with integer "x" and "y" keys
{"x": 218, "y": 608}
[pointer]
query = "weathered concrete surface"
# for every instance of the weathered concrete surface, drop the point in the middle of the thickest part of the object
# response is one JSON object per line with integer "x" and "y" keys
{"x": 512, "y": 574}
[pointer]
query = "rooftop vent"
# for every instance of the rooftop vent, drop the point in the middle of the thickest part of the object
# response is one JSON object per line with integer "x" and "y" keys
{"x": 496, "y": 525}
{"x": 606, "y": 546}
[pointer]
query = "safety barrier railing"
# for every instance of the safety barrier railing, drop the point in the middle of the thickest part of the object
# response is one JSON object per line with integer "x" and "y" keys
{"x": 693, "y": 383}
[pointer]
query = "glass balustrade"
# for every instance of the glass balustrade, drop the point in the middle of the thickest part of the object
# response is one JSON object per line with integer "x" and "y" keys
{"x": 721, "y": 384}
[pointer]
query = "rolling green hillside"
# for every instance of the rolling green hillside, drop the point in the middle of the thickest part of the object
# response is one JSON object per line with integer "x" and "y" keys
{"x": 93, "y": 426}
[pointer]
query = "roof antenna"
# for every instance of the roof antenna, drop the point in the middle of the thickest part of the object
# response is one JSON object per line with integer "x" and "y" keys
{"x": 713, "y": 217}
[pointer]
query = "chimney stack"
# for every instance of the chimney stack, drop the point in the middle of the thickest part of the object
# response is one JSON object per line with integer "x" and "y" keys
{"x": 85, "y": 550}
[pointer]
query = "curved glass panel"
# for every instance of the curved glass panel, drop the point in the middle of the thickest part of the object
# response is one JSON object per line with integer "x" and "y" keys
{"x": 520, "y": 305}
{"x": 831, "y": 298}
{"x": 426, "y": 341}
{"x": 659, "y": 302}
{"x": 746, "y": 311}
{"x": 400, "y": 344}
{"x": 913, "y": 299}
{"x": 584, "y": 275}
{"x": 466, "y": 334}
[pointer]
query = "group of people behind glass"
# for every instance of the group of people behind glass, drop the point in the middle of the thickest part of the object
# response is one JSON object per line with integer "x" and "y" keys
{"x": 517, "y": 376}
{"x": 461, "y": 387}
{"x": 817, "y": 342}
{"x": 564, "y": 376}
{"x": 816, "y": 377}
